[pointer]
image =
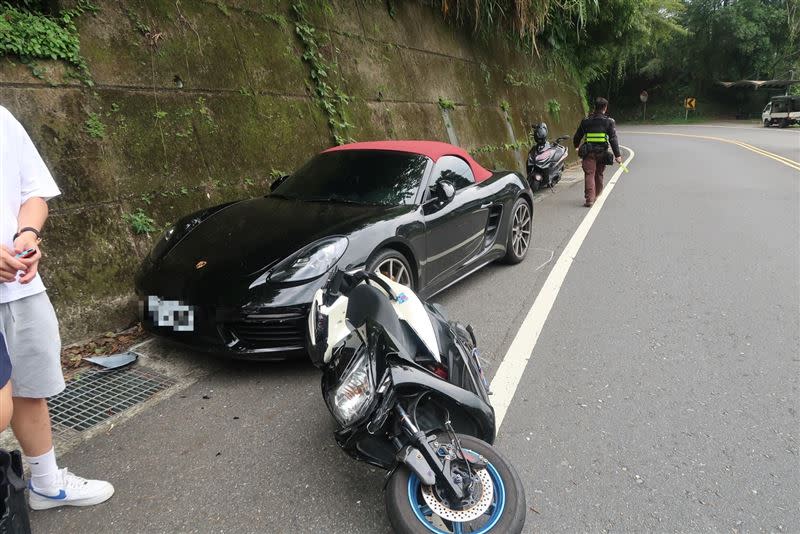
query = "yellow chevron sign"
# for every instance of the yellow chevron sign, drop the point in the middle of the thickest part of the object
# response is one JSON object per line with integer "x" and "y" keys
{"x": 690, "y": 103}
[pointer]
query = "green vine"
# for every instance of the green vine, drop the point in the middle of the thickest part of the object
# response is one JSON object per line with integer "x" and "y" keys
{"x": 554, "y": 109}
{"x": 487, "y": 76}
{"x": 223, "y": 8}
{"x": 32, "y": 35}
{"x": 331, "y": 98}
{"x": 94, "y": 126}
{"x": 446, "y": 104}
{"x": 528, "y": 79}
{"x": 138, "y": 23}
{"x": 280, "y": 20}
{"x": 506, "y": 147}
{"x": 140, "y": 222}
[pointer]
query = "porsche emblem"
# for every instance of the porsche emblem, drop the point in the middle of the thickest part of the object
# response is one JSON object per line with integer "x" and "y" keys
{"x": 201, "y": 264}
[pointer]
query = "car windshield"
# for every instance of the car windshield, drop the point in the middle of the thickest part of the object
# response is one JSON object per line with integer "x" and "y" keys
{"x": 357, "y": 176}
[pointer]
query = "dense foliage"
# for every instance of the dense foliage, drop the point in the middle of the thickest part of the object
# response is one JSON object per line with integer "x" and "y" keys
{"x": 677, "y": 47}
{"x": 36, "y": 29}
{"x": 726, "y": 40}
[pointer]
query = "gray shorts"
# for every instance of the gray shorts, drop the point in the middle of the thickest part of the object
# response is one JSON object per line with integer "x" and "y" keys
{"x": 31, "y": 331}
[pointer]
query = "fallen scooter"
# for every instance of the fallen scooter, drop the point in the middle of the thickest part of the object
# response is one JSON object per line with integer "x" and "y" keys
{"x": 408, "y": 392}
{"x": 545, "y": 164}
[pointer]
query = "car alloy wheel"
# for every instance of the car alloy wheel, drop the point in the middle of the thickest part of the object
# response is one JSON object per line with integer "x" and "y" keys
{"x": 521, "y": 229}
{"x": 395, "y": 270}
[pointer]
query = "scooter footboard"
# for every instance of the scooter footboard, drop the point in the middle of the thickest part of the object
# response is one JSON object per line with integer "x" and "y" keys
{"x": 469, "y": 414}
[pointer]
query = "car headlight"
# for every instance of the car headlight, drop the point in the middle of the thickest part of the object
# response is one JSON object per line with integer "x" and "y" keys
{"x": 314, "y": 260}
{"x": 353, "y": 393}
{"x": 163, "y": 244}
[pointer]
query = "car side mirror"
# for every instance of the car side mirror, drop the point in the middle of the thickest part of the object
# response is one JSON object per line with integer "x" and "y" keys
{"x": 278, "y": 181}
{"x": 445, "y": 192}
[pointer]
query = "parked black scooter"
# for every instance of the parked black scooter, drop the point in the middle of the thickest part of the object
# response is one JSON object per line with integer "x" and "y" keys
{"x": 407, "y": 389}
{"x": 545, "y": 160}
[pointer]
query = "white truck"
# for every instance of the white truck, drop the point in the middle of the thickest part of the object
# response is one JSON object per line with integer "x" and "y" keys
{"x": 781, "y": 110}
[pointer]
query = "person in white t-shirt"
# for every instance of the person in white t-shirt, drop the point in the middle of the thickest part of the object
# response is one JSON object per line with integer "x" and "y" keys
{"x": 28, "y": 322}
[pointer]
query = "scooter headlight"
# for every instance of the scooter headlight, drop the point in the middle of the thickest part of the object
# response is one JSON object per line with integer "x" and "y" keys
{"x": 351, "y": 397}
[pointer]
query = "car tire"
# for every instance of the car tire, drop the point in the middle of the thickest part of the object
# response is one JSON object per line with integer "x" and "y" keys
{"x": 520, "y": 231}
{"x": 394, "y": 265}
{"x": 399, "y": 507}
{"x": 766, "y": 123}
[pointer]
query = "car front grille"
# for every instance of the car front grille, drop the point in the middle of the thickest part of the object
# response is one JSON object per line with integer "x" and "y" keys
{"x": 271, "y": 331}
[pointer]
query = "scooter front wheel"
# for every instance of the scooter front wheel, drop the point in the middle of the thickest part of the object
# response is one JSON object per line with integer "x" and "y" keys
{"x": 496, "y": 505}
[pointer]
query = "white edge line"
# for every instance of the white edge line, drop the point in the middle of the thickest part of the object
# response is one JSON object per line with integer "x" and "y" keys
{"x": 509, "y": 373}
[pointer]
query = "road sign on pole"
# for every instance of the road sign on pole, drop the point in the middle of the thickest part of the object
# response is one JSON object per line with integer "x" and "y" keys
{"x": 643, "y": 98}
{"x": 689, "y": 103}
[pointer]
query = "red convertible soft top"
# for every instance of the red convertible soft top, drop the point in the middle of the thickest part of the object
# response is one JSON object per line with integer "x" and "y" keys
{"x": 432, "y": 149}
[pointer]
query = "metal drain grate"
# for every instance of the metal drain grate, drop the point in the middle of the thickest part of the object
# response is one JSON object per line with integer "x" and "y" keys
{"x": 94, "y": 396}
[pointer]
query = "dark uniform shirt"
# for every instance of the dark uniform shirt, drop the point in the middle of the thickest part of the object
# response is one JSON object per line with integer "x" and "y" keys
{"x": 598, "y": 123}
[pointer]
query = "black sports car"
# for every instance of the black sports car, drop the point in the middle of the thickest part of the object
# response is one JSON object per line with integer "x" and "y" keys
{"x": 239, "y": 278}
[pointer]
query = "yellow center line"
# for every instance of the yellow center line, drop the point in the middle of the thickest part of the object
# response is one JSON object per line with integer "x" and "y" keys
{"x": 780, "y": 159}
{"x": 788, "y": 161}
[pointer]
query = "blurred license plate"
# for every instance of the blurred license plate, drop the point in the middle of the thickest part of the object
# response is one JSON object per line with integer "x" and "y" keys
{"x": 171, "y": 314}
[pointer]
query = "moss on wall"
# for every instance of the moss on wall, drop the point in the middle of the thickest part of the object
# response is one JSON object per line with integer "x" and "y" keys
{"x": 195, "y": 103}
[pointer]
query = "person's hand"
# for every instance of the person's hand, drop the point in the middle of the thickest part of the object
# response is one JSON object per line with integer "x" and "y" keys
{"x": 618, "y": 159}
{"x": 9, "y": 265}
{"x": 25, "y": 241}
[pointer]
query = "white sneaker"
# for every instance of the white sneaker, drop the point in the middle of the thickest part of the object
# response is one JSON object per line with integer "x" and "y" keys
{"x": 69, "y": 490}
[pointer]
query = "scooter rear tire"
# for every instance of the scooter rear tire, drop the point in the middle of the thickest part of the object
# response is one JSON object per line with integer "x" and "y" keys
{"x": 404, "y": 520}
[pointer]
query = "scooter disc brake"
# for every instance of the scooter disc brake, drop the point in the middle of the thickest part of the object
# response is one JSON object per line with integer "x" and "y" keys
{"x": 467, "y": 514}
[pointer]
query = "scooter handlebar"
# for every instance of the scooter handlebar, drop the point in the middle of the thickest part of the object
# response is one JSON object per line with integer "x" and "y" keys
{"x": 341, "y": 283}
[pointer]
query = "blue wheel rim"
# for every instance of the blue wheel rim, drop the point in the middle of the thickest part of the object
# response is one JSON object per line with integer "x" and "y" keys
{"x": 421, "y": 509}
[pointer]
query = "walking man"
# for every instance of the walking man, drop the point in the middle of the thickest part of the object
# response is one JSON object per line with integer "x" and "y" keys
{"x": 600, "y": 132}
{"x": 28, "y": 322}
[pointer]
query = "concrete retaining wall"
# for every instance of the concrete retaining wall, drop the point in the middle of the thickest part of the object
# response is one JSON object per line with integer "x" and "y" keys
{"x": 198, "y": 102}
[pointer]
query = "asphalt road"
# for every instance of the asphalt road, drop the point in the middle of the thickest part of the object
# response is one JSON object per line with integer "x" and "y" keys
{"x": 783, "y": 142}
{"x": 661, "y": 396}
